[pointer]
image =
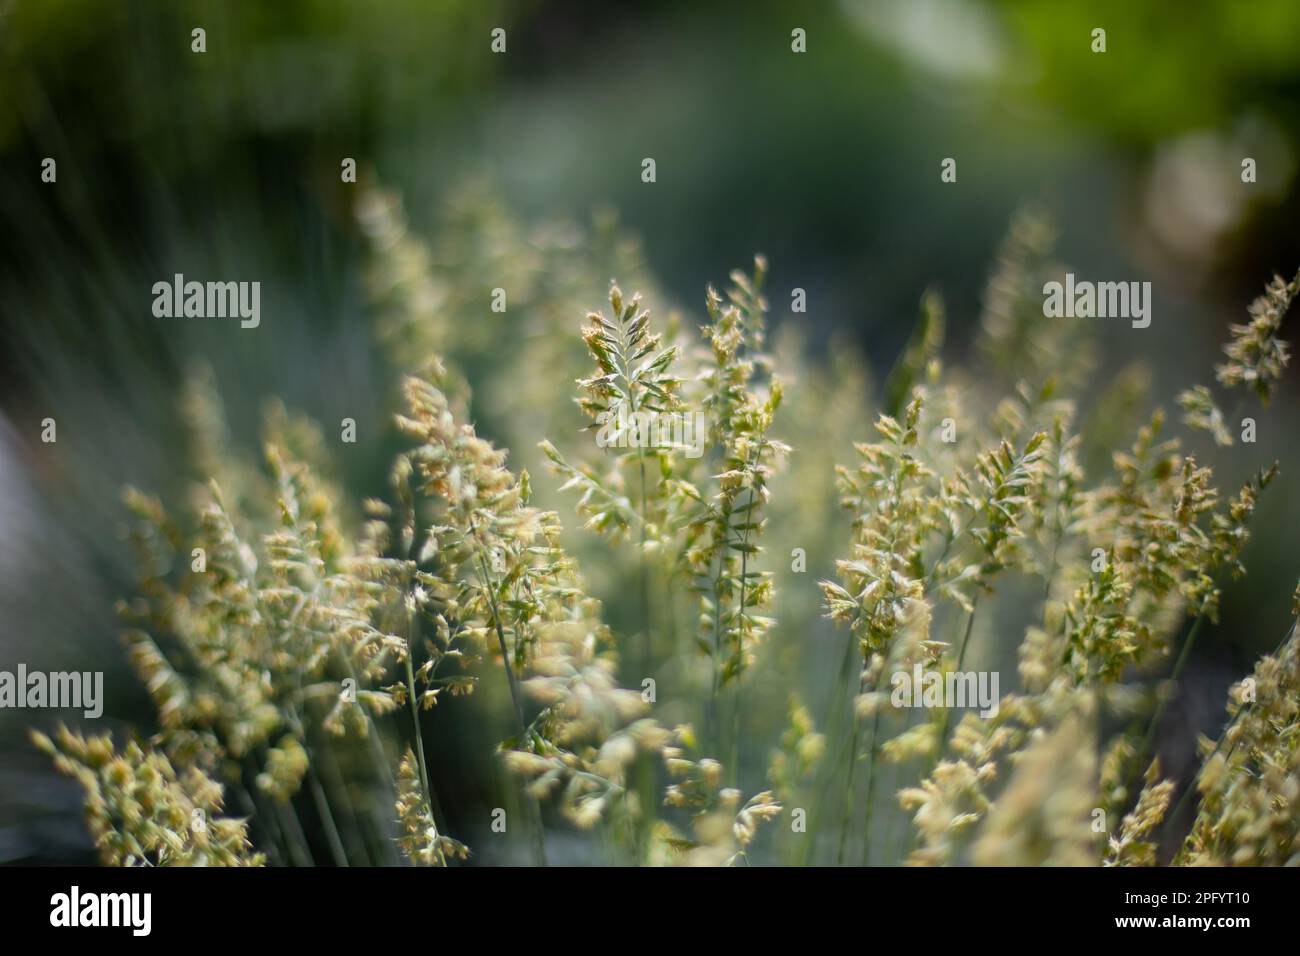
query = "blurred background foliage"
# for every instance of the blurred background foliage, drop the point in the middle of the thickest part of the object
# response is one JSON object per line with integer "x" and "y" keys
{"x": 522, "y": 171}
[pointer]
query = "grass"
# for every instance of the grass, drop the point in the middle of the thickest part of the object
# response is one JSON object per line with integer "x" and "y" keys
{"x": 300, "y": 646}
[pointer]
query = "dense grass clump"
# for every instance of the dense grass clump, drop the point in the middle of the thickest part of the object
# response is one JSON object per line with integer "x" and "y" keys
{"x": 300, "y": 646}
